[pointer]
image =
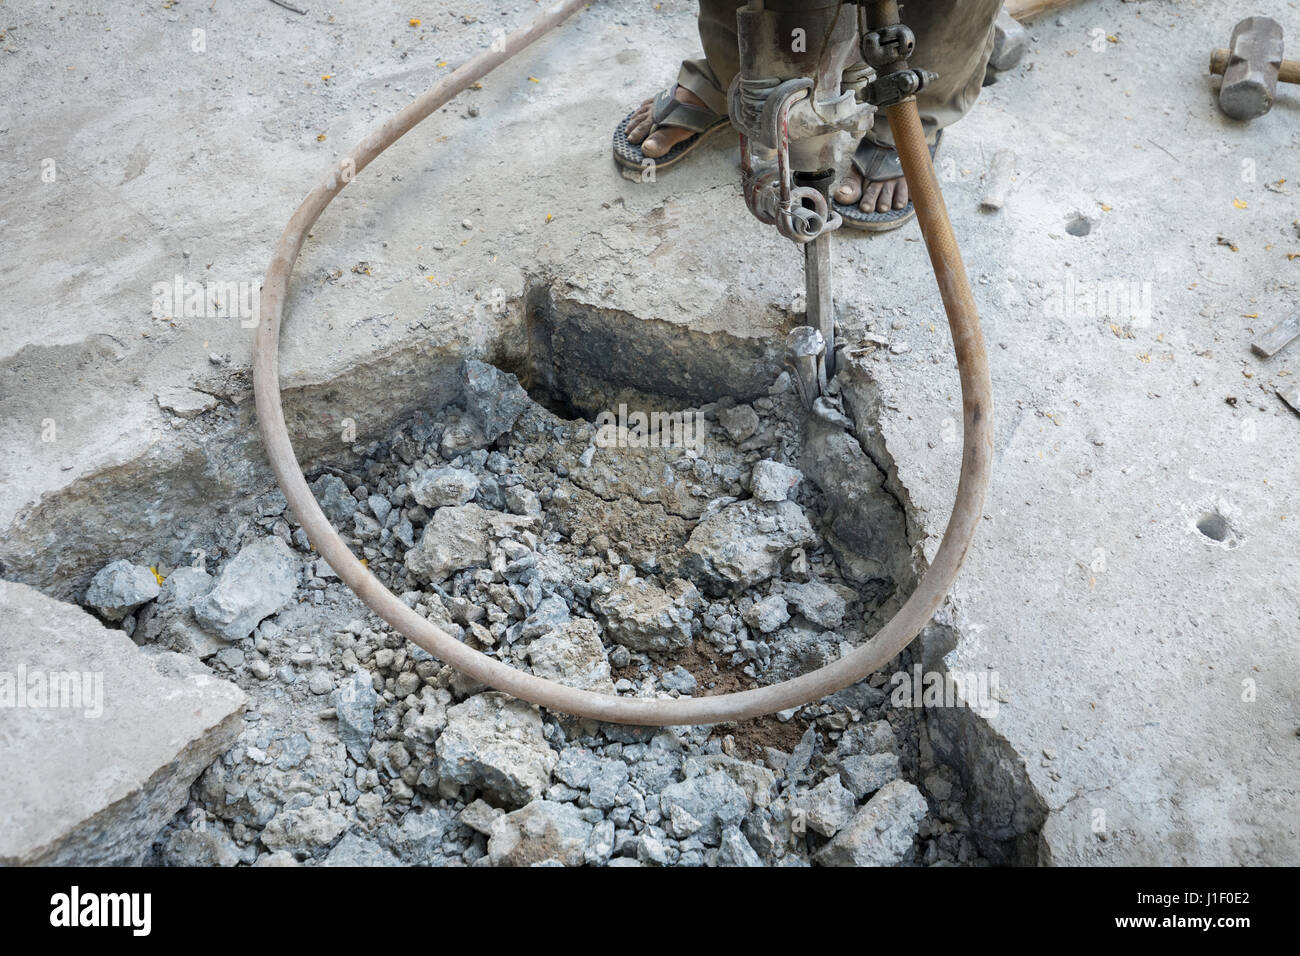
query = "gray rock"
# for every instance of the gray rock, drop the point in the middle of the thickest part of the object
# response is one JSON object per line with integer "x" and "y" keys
{"x": 303, "y": 828}
{"x": 713, "y": 799}
{"x": 601, "y": 777}
{"x": 758, "y": 782}
{"x": 827, "y": 807}
{"x": 739, "y": 422}
{"x": 768, "y": 614}
{"x": 678, "y": 679}
{"x": 169, "y": 622}
{"x": 253, "y": 585}
{"x": 550, "y": 614}
{"x": 818, "y": 602}
{"x": 356, "y": 850}
{"x": 417, "y": 839}
{"x": 354, "y": 703}
{"x": 522, "y": 501}
{"x": 573, "y": 655}
{"x": 334, "y": 498}
{"x": 439, "y": 487}
{"x": 736, "y": 851}
{"x": 380, "y": 507}
{"x": 542, "y": 830}
{"x": 881, "y": 833}
{"x": 863, "y": 774}
{"x": 198, "y": 847}
{"x": 642, "y": 616}
{"x": 600, "y": 845}
{"x": 744, "y": 544}
{"x": 459, "y": 537}
{"x": 494, "y": 399}
{"x": 876, "y": 737}
{"x": 494, "y": 743}
{"x": 278, "y": 858}
{"x": 773, "y": 481}
{"x": 119, "y": 588}
{"x": 97, "y": 790}
{"x": 480, "y": 815}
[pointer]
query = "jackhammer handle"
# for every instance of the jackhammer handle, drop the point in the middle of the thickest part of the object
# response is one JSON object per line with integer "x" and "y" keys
{"x": 1290, "y": 72}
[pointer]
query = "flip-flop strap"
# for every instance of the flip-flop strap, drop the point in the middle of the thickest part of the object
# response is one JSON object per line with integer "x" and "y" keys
{"x": 669, "y": 111}
{"x": 877, "y": 163}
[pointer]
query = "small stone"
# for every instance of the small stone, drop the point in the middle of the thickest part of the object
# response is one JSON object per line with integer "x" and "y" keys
{"x": 480, "y": 815}
{"x": 439, "y": 487}
{"x": 542, "y": 830}
{"x": 773, "y": 481}
{"x": 494, "y": 399}
{"x": 334, "y": 498}
{"x": 768, "y": 614}
{"x": 354, "y": 703}
{"x": 494, "y": 743}
{"x": 739, "y": 422}
{"x": 573, "y": 654}
{"x": 864, "y": 774}
{"x": 355, "y": 850}
{"x": 818, "y": 602}
{"x": 736, "y": 851}
{"x": 302, "y": 828}
{"x": 642, "y": 616}
{"x": 550, "y": 614}
{"x": 713, "y": 799}
{"x": 678, "y": 679}
{"x": 254, "y": 584}
{"x": 827, "y": 807}
{"x": 881, "y": 833}
{"x": 743, "y": 544}
{"x": 320, "y": 683}
{"x": 119, "y": 588}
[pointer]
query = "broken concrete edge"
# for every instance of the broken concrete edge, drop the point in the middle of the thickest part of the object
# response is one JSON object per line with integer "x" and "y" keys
{"x": 215, "y": 463}
{"x": 603, "y": 348}
{"x": 100, "y": 792}
{"x": 1004, "y": 806}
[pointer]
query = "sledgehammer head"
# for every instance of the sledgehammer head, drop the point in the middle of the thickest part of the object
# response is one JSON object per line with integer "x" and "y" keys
{"x": 1250, "y": 68}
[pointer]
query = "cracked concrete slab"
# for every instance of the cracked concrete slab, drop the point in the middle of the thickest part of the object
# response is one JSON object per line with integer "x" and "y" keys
{"x": 1147, "y": 666}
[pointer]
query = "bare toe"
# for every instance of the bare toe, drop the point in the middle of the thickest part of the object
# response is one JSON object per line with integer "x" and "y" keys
{"x": 870, "y": 193}
{"x": 849, "y": 189}
{"x": 662, "y": 140}
{"x": 901, "y": 194}
{"x": 886, "y": 200}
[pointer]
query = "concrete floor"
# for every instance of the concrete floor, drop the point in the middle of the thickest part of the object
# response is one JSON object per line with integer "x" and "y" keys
{"x": 1148, "y": 671}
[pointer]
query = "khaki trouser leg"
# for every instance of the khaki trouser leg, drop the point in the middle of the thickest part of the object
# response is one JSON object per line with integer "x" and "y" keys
{"x": 954, "y": 38}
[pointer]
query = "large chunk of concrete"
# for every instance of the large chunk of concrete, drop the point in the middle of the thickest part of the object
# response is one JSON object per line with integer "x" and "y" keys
{"x": 254, "y": 584}
{"x": 494, "y": 743}
{"x": 109, "y": 737}
{"x": 744, "y": 544}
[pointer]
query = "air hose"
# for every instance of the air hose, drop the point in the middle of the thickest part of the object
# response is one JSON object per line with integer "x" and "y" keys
{"x": 972, "y": 363}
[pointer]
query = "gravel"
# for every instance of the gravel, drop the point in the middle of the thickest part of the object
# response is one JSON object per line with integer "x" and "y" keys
{"x": 638, "y": 571}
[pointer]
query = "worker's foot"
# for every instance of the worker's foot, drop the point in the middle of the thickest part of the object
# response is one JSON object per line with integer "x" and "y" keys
{"x": 881, "y": 195}
{"x": 664, "y": 129}
{"x": 874, "y": 196}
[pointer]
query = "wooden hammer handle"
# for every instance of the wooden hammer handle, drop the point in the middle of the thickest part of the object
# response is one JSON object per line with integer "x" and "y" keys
{"x": 1290, "y": 72}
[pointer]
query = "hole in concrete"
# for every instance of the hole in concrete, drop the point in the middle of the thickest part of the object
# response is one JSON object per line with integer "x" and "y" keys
{"x": 1078, "y": 225}
{"x": 585, "y": 570}
{"x": 1214, "y": 526}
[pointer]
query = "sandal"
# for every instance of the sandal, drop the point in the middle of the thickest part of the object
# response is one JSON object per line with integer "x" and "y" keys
{"x": 875, "y": 164}
{"x": 668, "y": 111}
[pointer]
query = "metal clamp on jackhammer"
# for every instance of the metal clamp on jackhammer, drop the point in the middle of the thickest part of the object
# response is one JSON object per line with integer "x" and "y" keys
{"x": 812, "y": 76}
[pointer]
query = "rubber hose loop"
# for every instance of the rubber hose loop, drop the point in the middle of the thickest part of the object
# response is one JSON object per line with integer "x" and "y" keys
{"x": 852, "y": 667}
